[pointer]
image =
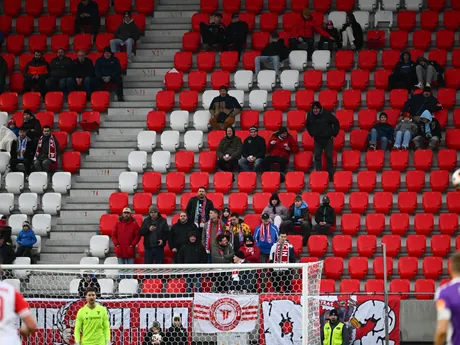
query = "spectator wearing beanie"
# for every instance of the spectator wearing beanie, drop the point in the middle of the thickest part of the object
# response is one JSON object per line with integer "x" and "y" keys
{"x": 108, "y": 70}
{"x": 253, "y": 151}
{"x": 229, "y": 151}
{"x": 250, "y": 250}
{"x": 324, "y": 217}
{"x": 13, "y": 127}
{"x": 236, "y": 35}
{"x": 176, "y": 334}
{"x": 298, "y": 215}
{"x": 25, "y": 240}
{"x": 179, "y": 235}
{"x": 331, "y": 30}
{"x": 155, "y": 231}
{"x": 126, "y": 34}
{"x": 279, "y": 149}
{"x": 243, "y": 281}
{"x": 226, "y": 215}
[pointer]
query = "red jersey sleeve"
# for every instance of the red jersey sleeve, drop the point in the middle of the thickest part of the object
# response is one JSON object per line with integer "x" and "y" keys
{"x": 21, "y": 307}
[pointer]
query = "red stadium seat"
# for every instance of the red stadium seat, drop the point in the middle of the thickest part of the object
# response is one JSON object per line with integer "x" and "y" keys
{"x": 197, "y": 80}
{"x": 447, "y": 159}
{"x": 232, "y": 6}
{"x": 252, "y": 220}
{"x": 381, "y": 78}
{"x": 46, "y": 118}
{"x": 432, "y": 267}
{"x": 81, "y": 141}
{"x": 375, "y": 160}
{"x": 439, "y": 180}
{"x": 107, "y": 223}
{"x": 322, "y": 6}
{"x": 436, "y": 5}
{"x": 351, "y": 160}
{"x": 351, "y": 99}
{"x": 367, "y": 59}
{"x": 199, "y": 18}
{"x": 122, "y": 5}
{"x": 281, "y": 100}
{"x": 400, "y": 287}
{"x": 238, "y": 202}
{"x": 399, "y": 223}
{"x": 445, "y": 39}
{"x": 345, "y": 117}
{"x": 343, "y": 181}
{"x": 34, "y": 7}
{"x": 100, "y": 101}
{"x": 77, "y": 101}
{"x": 9, "y": 59}
{"x": 296, "y": 119}
{"x": 393, "y": 245}
{"x": 82, "y": 42}
{"x": 390, "y": 58}
{"x": 429, "y": 20}
{"x": 296, "y": 242}
{"x": 248, "y": 18}
{"x": 90, "y": 121}
{"x": 344, "y": 59}
{"x": 25, "y": 25}
{"x": 229, "y": 61}
{"x": 156, "y": 120}
{"x": 303, "y": 161}
{"x": 165, "y": 100}
{"x": 408, "y": 267}
{"x": 304, "y": 99}
{"x": 453, "y": 202}
{"x": 207, "y": 161}
{"x": 67, "y": 121}
{"x": 424, "y": 223}
{"x": 451, "y": 78}
{"x": 333, "y": 268}
{"x": 319, "y": 181}
{"x": 199, "y": 179}
{"x": 112, "y": 22}
{"x": 217, "y": 199}
{"x": 270, "y": 182}
{"x": 360, "y": 79}
{"x": 117, "y": 202}
{"x": 391, "y": 180}
{"x": 335, "y": 79}
{"x": 312, "y": 199}
{"x": 337, "y": 200}
{"x": 268, "y": 21}
{"x": 67, "y": 25}
{"x": 214, "y": 139}
{"x": 206, "y": 61}
{"x": 358, "y": 267}
{"x": 174, "y": 81}
{"x": 247, "y": 182}
{"x": 375, "y": 40}
{"x": 453, "y": 139}
{"x": 416, "y": 245}
{"x": 103, "y": 40}
{"x": 295, "y": 181}
{"x": 350, "y": 223}
{"x": 317, "y": 245}
{"x": 249, "y": 59}
{"x": 307, "y": 141}
{"x": 375, "y": 223}
{"x": 421, "y": 39}
{"x": 166, "y": 202}
{"x": 223, "y": 182}
{"x": 139, "y": 19}
{"x": 327, "y": 286}
{"x": 407, "y": 202}
{"x": 440, "y": 56}
{"x": 423, "y": 159}
{"x": 358, "y": 202}
{"x": 367, "y": 118}
{"x": 398, "y": 97}
{"x": 183, "y": 61}
{"x": 145, "y": 7}
{"x": 399, "y": 160}
{"x": 259, "y": 40}
{"x": 151, "y": 182}
{"x": 15, "y": 44}
{"x": 260, "y": 201}
{"x": 188, "y": 100}
{"x": 313, "y": 79}
{"x": 367, "y": 245}
{"x": 219, "y": 78}
{"x": 6, "y": 24}
{"x": 415, "y": 180}
{"x": 375, "y": 99}
{"x": 424, "y": 289}
{"x": 276, "y": 6}
{"x": 287, "y": 198}
{"x": 12, "y": 8}
{"x": 31, "y": 101}
{"x": 350, "y": 286}
{"x": 432, "y": 202}
{"x": 59, "y": 41}
{"x": 175, "y": 182}
{"x": 451, "y": 19}
{"x": 289, "y": 21}
{"x": 440, "y": 245}
{"x": 448, "y": 223}
{"x": 191, "y": 41}
{"x": 9, "y": 101}
{"x": 71, "y": 161}
{"x": 54, "y": 101}
{"x": 176, "y": 286}
{"x": 399, "y": 39}
{"x": 341, "y": 245}
{"x": 378, "y": 267}
{"x": 328, "y": 99}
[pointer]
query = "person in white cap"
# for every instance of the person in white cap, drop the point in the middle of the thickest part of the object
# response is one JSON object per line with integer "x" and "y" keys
{"x": 26, "y": 240}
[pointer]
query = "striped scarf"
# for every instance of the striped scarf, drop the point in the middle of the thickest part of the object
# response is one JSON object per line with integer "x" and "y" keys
{"x": 265, "y": 233}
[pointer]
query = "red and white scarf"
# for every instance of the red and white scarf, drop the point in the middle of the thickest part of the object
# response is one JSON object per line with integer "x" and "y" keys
{"x": 203, "y": 210}
{"x": 209, "y": 232}
{"x": 52, "y": 154}
{"x": 265, "y": 233}
{"x": 281, "y": 253}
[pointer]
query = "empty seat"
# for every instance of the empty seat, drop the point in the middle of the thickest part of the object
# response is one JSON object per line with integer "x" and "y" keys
{"x": 206, "y": 61}
{"x": 399, "y": 160}
{"x": 317, "y": 245}
{"x": 416, "y": 245}
{"x": 399, "y": 223}
{"x": 137, "y": 161}
{"x": 328, "y": 99}
{"x": 166, "y": 202}
{"x": 179, "y": 120}
{"x": 408, "y": 267}
{"x": 432, "y": 202}
{"x": 128, "y": 286}
{"x": 439, "y": 180}
{"x": 151, "y": 182}
{"x": 321, "y": 60}
{"x": 343, "y": 181}
{"x": 289, "y": 79}
{"x": 266, "y": 80}
{"x": 238, "y": 202}
{"x": 165, "y": 100}
{"x": 142, "y": 203}
{"x": 175, "y": 182}
{"x": 146, "y": 141}
{"x": 342, "y": 245}
{"x": 188, "y": 100}
{"x": 393, "y": 244}
{"x": 41, "y": 223}
{"x": 259, "y": 40}
{"x": 201, "y": 120}
{"x": 161, "y": 161}
{"x": 391, "y": 180}
{"x": 350, "y": 223}
{"x": 448, "y": 223}
{"x": 358, "y": 202}
{"x": 359, "y": 79}
{"x": 51, "y": 203}
{"x": 415, "y": 180}
{"x": 319, "y": 181}
{"x": 258, "y": 99}
{"x": 99, "y": 246}
{"x": 81, "y": 141}
{"x": 127, "y": 181}
{"x": 351, "y": 160}
{"x": 453, "y": 202}
{"x": 333, "y": 267}
{"x": 375, "y": 99}
{"x": 350, "y": 286}
{"x": 207, "y": 98}
{"x": 199, "y": 179}
{"x": 243, "y": 80}
{"x": 398, "y": 98}
{"x": 298, "y": 60}
{"x": 424, "y": 289}
{"x": 379, "y": 269}
{"x": 223, "y": 182}
{"x": 193, "y": 140}
{"x": 14, "y": 182}
{"x": 440, "y": 245}
{"x": 375, "y": 223}
{"x": 421, "y": 39}
{"x": 424, "y": 223}
{"x": 407, "y": 202}
{"x": 7, "y": 203}
{"x": 170, "y": 140}
{"x": 432, "y": 267}
{"x": 358, "y": 267}
{"x": 367, "y": 245}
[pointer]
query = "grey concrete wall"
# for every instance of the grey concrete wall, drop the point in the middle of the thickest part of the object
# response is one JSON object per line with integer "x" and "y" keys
{"x": 417, "y": 321}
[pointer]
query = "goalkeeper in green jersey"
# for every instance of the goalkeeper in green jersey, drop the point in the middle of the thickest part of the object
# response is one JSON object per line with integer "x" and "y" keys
{"x": 92, "y": 326}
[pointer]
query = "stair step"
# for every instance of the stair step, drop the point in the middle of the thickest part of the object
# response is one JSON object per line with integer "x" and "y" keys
{"x": 105, "y": 165}
{"x": 159, "y": 53}
{"x": 106, "y": 159}
{"x": 157, "y": 33}
{"x": 169, "y": 20}
{"x": 101, "y": 172}
{"x": 170, "y": 11}
{"x": 159, "y": 45}
{"x": 61, "y": 258}
{"x": 109, "y": 118}
{"x": 113, "y": 144}
{"x": 142, "y": 78}
{"x": 88, "y": 206}
{"x": 169, "y": 25}
{"x": 81, "y": 200}
{"x": 70, "y": 231}
{"x": 80, "y": 217}
{"x": 111, "y": 152}
{"x": 94, "y": 179}
{"x": 162, "y": 39}
{"x": 113, "y": 186}
{"x": 150, "y": 64}
{"x": 144, "y": 84}
{"x": 118, "y": 138}
{"x": 128, "y": 111}
{"x": 147, "y": 72}
{"x": 84, "y": 242}
{"x": 150, "y": 105}
{"x": 124, "y": 124}
{"x": 65, "y": 249}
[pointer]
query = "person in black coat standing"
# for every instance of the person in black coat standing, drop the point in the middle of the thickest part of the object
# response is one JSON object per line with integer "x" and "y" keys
{"x": 323, "y": 126}
{"x": 60, "y": 70}
{"x": 155, "y": 231}
{"x": 193, "y": 253}
{"x": 198, "y": 208}
{"x": 237, "y": 33}
{"x": 32, "y": 127}
{"x": 176, "y": 334}
{"x": 87, "y": 14}
{"x": 324, "y": 217}
{"x": 179, "y": 234}
{"x": 253, "y": 152}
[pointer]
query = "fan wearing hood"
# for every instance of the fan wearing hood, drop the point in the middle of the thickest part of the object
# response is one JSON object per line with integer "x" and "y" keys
{"x": 429, "y": 131}
{"x": 352, "y": 33}
{"x": 298, "y": 215}
{"x": 417, "y": 104}
{"x": 32, "y": 126}
{"x": 403, "y": 76}
{"x": 229, "y": 151}
{"x": 331, "y": 30}
{"x": 192, "y": 253}
{"x": 155, "y": 231}
{"x": 428, "y": 72}
{"x": 276, "y": 210}
{"x": 126, "y": 35}
{"x": 279, "y": 149}
{"x": 179, "y": 235}
{"x": 405, "y": 130}
{"x": 324, "y": 217}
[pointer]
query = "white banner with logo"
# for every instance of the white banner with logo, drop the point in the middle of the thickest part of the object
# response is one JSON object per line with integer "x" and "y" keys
{"x": 214, "y": 313}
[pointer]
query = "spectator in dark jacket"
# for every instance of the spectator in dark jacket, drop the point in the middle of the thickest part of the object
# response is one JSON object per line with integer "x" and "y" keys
{"x": 7, "y": 255}
{"x": 428, "y": 72}
{"x": 253, "y": 151}
{"x": 82, "y": 72}
{"x": 22, "y": 153}
{"x": 243, "y": 281}
{"x": 236, "y": 34}
{"x": 323, "y": 126}
{"x": 87, "y": 15}
{"x": 155, "y": 231}
{"x": 127, "y": 34}
{"x": 324, "y": 217}
{"x": 223, "y": 109}
{"x": 198, "y": 208}
{"x": 176, "y": 334}
{"x": 88, "y": 280}
{"x": 108, "y": 70}
{"x": 403, "y": 76}
{"x": 149, "y": 337}
{"x": 213, "y": 34}
{"x": 417, "y": 104}
{"x": 331, "y": 30}
{"x": 298, "y": 215}
{"x": 35, "y": 73}
{"x": 279, "y": 149}
{"x": 193, "y": 253}
{"x": 60, "y": 70}
{"x": 47, "y": 153}
{"x": 5, "y": 230}
{"x": 274, "y": 52}
{"x": 32, "y": 127}
{"x": 303, "y": 32}
{"x": 429, "y": 130}
{"x": 25, "y": 240}
{"x": 352, "y": 33}
{"x": 179, "y": 234}
{"x": 3, "y": 73}
{"x": 229, "y": 151}
{"x": 382, "y": 131}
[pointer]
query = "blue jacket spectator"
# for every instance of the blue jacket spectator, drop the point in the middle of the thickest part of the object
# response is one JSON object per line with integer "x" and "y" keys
{"x": 265, "y": 237}
{"x": 382, "y": 131}
{"x": 108, "y": 70}
{"x": 26, "y": 237}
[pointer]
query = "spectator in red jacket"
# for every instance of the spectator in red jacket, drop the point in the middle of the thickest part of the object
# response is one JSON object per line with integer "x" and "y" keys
{"x": 125, "y": 237}
{"x": 279, "y": 149}
{"x": 250, "y": 250}
{"x": 303, "y": 32}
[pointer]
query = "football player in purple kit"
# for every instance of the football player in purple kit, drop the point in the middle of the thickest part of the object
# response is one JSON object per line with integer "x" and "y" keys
{"x": 448, "y": 307}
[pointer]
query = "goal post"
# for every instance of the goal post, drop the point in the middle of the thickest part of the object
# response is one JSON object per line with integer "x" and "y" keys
{"x": 207, "y": 304}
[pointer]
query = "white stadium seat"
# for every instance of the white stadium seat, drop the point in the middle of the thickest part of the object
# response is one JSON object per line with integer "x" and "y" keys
{"x": 137, "y": 161}
{"x": 51, "y": 203}
{"x": 161, "y": 161}
{"x": 99, "y": 246}
{"x": 14, "y": 182}
{"x": 6, "y": 203}
{"x": 201, "y": 120}
{"x": 127, "y": 181}
{"x": 298, "y": 59}
{"x": 38, "y": 182}
{"x": 107, "y": 286}
{"x": 3, "y": 118}
{"x": 179, "y": 120}
{"x": 266, "y": 80}
{"x": 28, "y": 203}
{"x": 289, "y": 79}
{"x": 385, "y": 17}
{"x": 4, "y": 161}
{"x": 147, "y": 141}
{"x": 207, "y": 97}
{"x": 193, "y": 140}
{"x": 16, "y": 283}
{"x": 362, "y": 17}
{"x": 37, "y": 247}
{"x": 128, "y": 286}
{"x": 113, "y": 274}
{"x": 239, "y": 95}
{"x": 391, "y": 5}
{"x": 321, "y": 59}
{"x": 15, "y": 222}
{"x": 258, "y": 99}
{"x": 368, "y": 5}
{"x": 14, "y": 243}
{"x": 170, "y": 141}
{"x": 73, "y": 286}
{"x": 41, "y": 223}
{"x": 62, "y": 182}
{"x": 414, "y": 5}
{"x": 89, "y": 260}
{"x": 338, "y": 18}
{"x": 243, "y": 80}
{"x": 21, "y": 274}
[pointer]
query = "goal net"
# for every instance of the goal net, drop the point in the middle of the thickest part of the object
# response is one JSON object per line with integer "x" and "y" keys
{"x": 264, "y": 304}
